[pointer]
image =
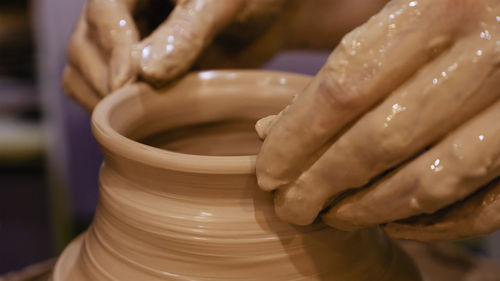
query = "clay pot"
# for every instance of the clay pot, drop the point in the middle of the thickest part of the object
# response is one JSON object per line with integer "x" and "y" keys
{"x": 179, "y": 199}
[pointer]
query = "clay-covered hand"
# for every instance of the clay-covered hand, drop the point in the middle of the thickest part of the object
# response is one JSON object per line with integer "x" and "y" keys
{"x": 105, "y": 51}
{"x": 99, "y": 51}
{"x": 399, "y": 128}
{"x": 243, "y": 33}
{"x": 191, "y": 27}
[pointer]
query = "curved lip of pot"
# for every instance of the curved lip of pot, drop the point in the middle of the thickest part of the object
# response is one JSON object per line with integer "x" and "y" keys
{"x": 111, "y": 140}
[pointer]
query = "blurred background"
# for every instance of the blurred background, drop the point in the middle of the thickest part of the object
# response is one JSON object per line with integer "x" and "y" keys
{"x": 48, "y": 158}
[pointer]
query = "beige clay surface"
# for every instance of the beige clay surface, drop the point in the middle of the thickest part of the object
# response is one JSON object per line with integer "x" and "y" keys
{"x": 395, "y": 87}
{"x": 447, "y": 173}
{"x": 179, "y": 210}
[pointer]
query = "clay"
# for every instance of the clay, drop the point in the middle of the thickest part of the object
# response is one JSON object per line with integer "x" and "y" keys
{"x": 173, "y": 47}
{"x": 346, "y": 86}
{"x": 179, "y": 210}
{"x": 477, "y": 215}
{"x": 106, "y": 50}
{"x": 466, "y": 159}
{"x": 395, "y": 86}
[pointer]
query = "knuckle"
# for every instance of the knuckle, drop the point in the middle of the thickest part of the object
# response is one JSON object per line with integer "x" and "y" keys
{"x": 266, "y": 178}
{"x": 392, "y": 145}
{"x": 74, "y": 48}
{"x": 337, "y": 93}
{"x": 293, "y": 205}
{"x": 339, "y": 86}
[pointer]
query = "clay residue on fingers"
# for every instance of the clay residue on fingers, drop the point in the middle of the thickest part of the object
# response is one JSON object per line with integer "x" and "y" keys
{"x": 440, "y": 94}
{"x": 478, "y": 214}
{"x": 87, "y": 58}
{"x": 360, "y": 72}
{"x": 451, "y": 170}
{"x": 114, "y": 30}
{"x": 263, "y": 126}
{"x": 172, "y": 48}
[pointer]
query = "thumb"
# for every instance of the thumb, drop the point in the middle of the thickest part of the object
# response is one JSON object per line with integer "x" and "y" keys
{"x": 173, "y": 47}
{"x": 116, "y": 33}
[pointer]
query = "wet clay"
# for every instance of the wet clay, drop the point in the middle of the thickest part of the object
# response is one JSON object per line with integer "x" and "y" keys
{"x": 477, "y": 215}
{"x": 395, "y": 87}
{"x": 446, "y": 173}
{"x": 172, "y": 208}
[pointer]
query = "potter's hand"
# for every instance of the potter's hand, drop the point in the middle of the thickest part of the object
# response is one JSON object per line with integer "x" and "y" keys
{"x": 419, "y": 77}
{"x": 99, "y": 51}
{"x": 105, "y": 53}
{"x": 175, "y": 45}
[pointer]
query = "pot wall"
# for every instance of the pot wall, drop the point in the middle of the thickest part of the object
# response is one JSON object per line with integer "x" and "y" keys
{"x": 166, "y": 215}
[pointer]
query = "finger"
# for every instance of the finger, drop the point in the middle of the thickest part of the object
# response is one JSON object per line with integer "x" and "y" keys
{"x": 454, "y": 168}
{"x": 172, "y": 48}
{"x": 477, "y": 215}
{"x": 370, "y": 62}
{"x": 122, "y": 70}
{"x": 411, "y": 118}
{"x": 116, "y": 32}
{"x": 78, "y": 89}
{"x": 87, "y": 59}
{"x": 262, "y": 126}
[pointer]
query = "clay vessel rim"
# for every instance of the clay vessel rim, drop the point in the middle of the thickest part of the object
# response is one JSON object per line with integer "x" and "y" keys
{"x": 109, "y": 139}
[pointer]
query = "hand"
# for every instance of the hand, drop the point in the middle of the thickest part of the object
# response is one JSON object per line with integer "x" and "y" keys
{"x": 105, "y": 51}
{"x": 99, "y": 50}
{"x": 415, "y": 89}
